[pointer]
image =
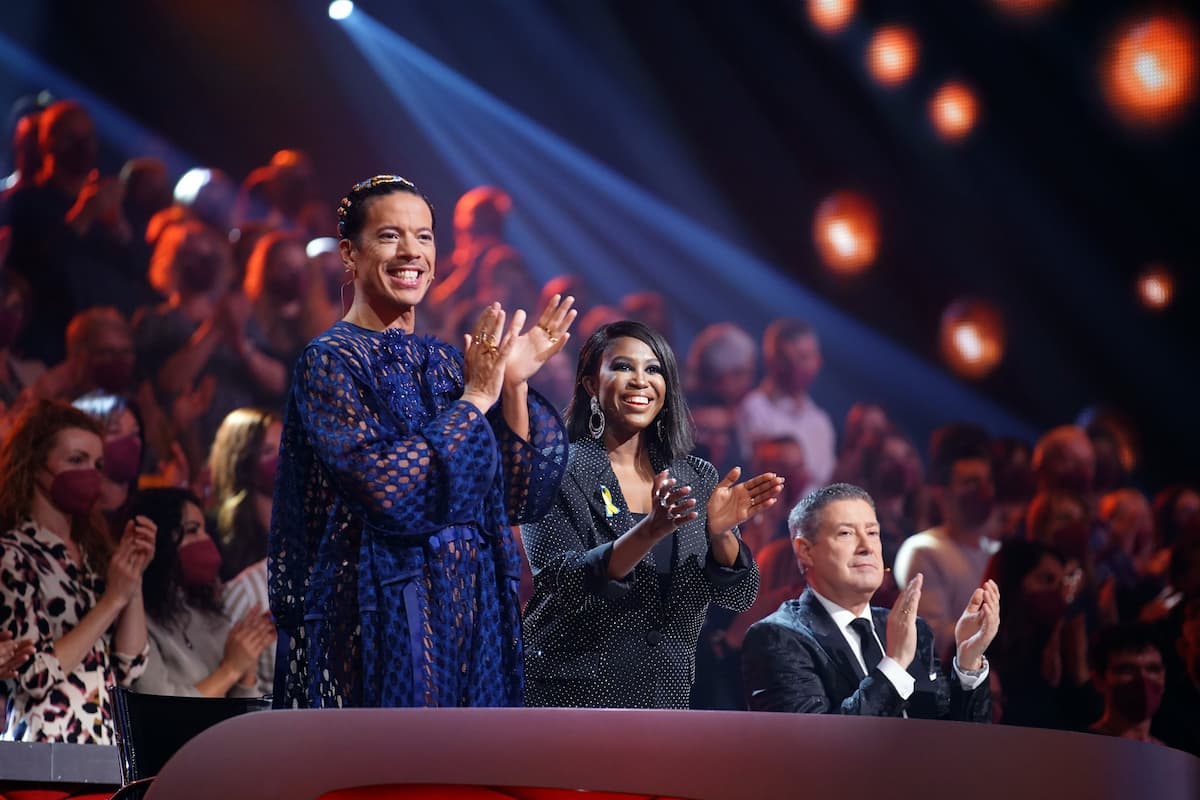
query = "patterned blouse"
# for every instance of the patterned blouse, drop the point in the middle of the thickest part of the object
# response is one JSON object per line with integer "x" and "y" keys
{"x": 43, "y": 596}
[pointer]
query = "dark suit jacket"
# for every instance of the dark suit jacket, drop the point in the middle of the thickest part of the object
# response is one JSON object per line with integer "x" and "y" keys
{"x": 594, "y": 641}
{"x": 797, "y": 660}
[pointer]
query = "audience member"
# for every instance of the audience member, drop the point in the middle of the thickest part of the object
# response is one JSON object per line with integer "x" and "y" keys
{"x": 276, "y": 285}
{"x": 195, "y": 650}
{"x": 1128, "y": 672}
{"x": 242, "y": 467}
{"x": 16, "y": 374}
{"x": 63, "y": 585}
{"x": 781, "y": 404}
{"x": 953, "y": 555}
{"x": 203, "y": 330}
{"x": 1178, "y": 720}
{"x": 1040, "y": 676}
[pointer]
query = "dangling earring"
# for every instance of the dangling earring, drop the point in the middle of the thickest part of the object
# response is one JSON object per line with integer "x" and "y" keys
{"x": 350, "y": 285}
{"x": 596, "y": 420}
{"x": 658, "y": 426}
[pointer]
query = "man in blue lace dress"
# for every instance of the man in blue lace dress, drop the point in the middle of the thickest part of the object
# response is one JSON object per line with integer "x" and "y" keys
{"x": 404, "y": 464}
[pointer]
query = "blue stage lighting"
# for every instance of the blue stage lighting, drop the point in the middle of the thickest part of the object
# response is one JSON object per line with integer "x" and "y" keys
{"x": 573, "y": 214}
{"x": 340, "y": 9}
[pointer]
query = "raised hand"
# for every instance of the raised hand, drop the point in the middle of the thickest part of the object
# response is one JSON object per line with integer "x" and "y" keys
{"x": 123, "y": 580}
{"x": 485, "y": 357}
{"x": 247, "y": 639}
{"x": 902, "y": 623}
{"x": 733, "y": 503}
{"x": 535, "y": 347}
{"x": 670, "y": 505}
{"x": 977, "y": 626}
{"x": 13, "y": 654}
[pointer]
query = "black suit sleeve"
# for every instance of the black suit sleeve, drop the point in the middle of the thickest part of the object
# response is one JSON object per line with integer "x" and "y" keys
{"x": 563, "y": 551}
{"x": 784, "y": 670}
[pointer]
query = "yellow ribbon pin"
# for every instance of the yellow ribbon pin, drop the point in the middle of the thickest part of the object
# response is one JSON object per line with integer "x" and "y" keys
{"x": 610, "y": 508}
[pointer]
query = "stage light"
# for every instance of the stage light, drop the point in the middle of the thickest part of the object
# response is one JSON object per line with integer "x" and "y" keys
{"x": 892, "y": 54}
{"x": 1024, "y": 8}
{"x": 846, "y": 232}
{"x": 972, "y": 337}
{"x": 189, "y": 186}
{"x": 953, "y": 110}
{"x": 831, "y": 15}
{"x": 340, "y": 9}
{"x": 1149, "y": 71}
{"x": 1156, "y": 287}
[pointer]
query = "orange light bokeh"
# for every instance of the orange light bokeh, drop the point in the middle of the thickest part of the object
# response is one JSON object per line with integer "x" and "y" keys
{"x": 846, "y": 232}
{"x": 892, "y": 54}
{"x": 953, "y": 110}
{"x": 831, "y": 15}
{"x": 1024, "y": 8}
{"x": 972, "y": 337}
{"x": 1156, "y": 287}
{"x": 1148, "y": 69}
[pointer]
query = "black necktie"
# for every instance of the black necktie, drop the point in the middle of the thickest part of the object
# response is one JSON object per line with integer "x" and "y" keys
{"x": 871, "y": 653}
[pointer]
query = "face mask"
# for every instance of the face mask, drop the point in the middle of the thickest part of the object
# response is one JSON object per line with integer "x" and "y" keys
{"x": 199, "y": 563}
{"x": 1136, "y": 700}
{"x": 113, "y": 376}
{"x": 10, "y": 326}
{"x": 264, "y": 475}
{"x": 975, "y": 506}
{"x": 123, "y": 458}
{"x": 197, "y": 272}
{"x": 1046, "y": 606}
{"x": 75, "y": 491}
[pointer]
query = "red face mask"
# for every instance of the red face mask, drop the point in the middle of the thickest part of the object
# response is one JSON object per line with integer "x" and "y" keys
{"x": 76, "y": 491}
{"x": 200, "y": 562}
{"x": 123, "y": 458}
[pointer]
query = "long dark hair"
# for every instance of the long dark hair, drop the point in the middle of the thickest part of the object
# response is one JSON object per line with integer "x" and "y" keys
{"x": 162, "y": 580}
{"x": 675, "y": 439}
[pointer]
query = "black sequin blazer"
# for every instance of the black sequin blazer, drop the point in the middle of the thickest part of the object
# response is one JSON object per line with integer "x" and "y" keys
{"x": 594, "y": 641}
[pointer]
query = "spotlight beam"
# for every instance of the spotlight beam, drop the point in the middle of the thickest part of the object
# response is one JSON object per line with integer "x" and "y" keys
{"x": 573, "y": 214}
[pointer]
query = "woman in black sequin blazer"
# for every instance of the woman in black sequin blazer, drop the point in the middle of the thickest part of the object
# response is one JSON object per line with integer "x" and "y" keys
{"x": 640, "y": 539}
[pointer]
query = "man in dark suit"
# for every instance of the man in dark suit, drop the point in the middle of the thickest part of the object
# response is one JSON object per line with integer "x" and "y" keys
{"x": 830, "y": 652}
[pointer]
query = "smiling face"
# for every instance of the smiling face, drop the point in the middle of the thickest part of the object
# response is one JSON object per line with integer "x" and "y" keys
{"x": 844, "y": 561}
{"x": 392, "y": 258}
{"x": 630, "y": 386}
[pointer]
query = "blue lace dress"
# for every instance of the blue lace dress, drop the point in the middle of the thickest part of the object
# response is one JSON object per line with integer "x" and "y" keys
{"x": 393, "y": 567}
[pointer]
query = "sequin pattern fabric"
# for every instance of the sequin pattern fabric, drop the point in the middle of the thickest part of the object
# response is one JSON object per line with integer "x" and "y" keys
{"x": 393, "y": 570}
{"x": 596, "y": 641}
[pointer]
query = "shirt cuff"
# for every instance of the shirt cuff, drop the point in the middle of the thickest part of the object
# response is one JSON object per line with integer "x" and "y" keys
{"x": 971, "y": 680}
{"x": 899, "y": 677}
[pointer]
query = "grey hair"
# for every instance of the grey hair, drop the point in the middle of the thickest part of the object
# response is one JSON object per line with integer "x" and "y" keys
{"x": 805, "y": 518}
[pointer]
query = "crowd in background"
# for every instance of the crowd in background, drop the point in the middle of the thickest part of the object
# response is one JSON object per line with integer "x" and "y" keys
{"x": 172, "y": 319}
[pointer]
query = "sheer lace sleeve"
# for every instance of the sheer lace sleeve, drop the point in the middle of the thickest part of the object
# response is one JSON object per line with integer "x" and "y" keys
{"x": 532, "y": 469}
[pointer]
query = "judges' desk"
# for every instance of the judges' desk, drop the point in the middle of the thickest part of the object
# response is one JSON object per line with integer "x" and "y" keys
{"x": 685, "y": 754}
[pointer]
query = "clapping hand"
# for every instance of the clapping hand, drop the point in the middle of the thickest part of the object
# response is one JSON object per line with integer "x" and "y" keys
{"x": 977, "y": 626}
{"x": 733, "y": 503}
{"x": 534, "y": 347}
{"x": 670, "y": 505}
{"x": 13, "y": 654}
